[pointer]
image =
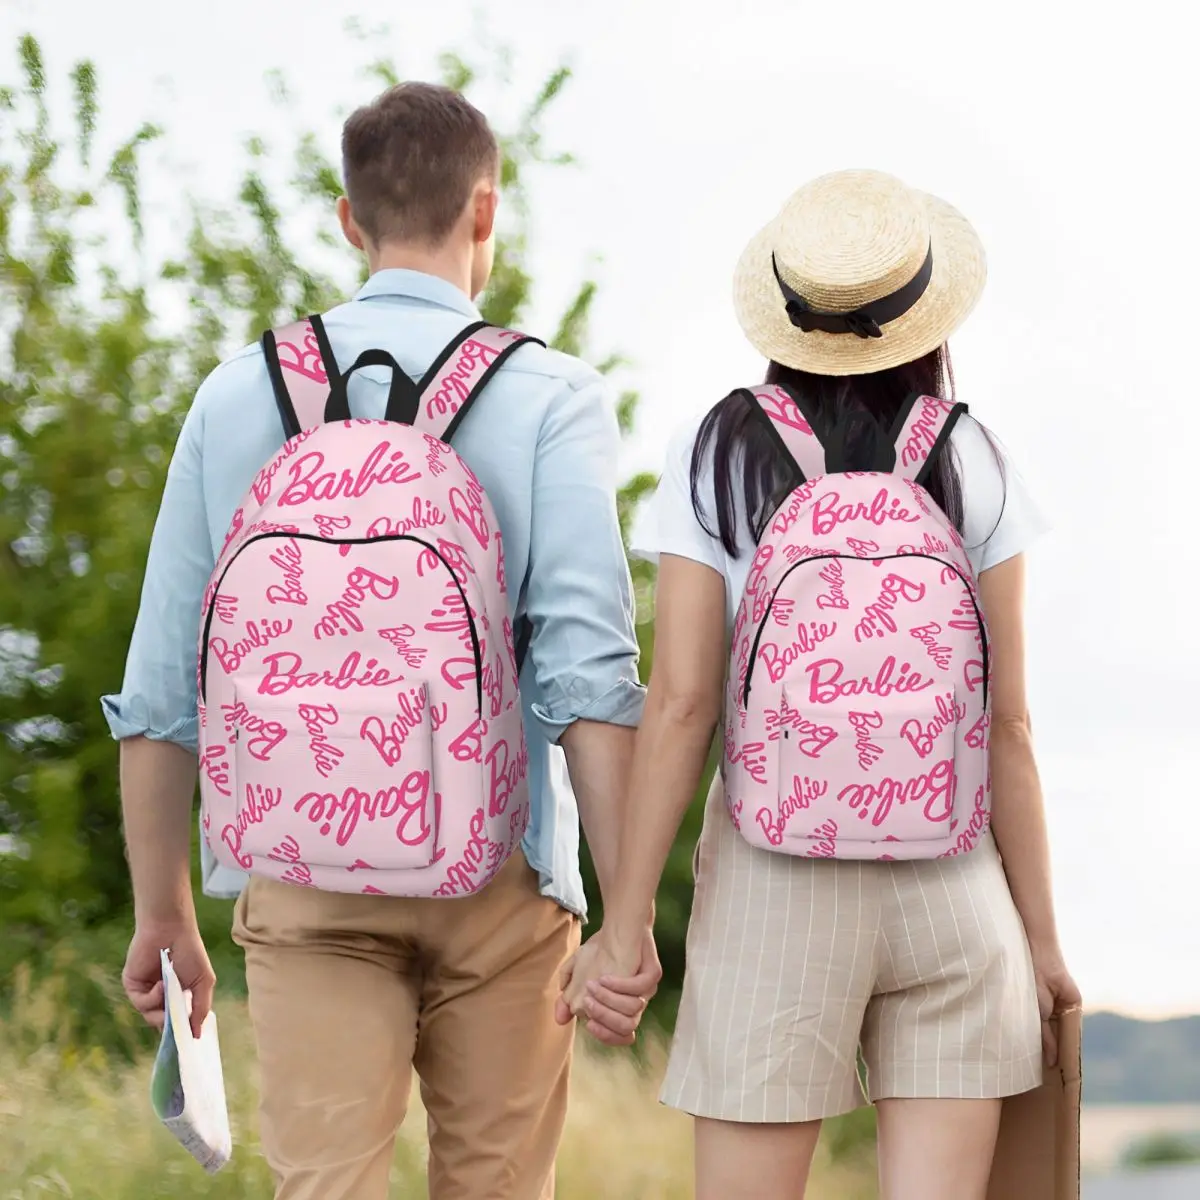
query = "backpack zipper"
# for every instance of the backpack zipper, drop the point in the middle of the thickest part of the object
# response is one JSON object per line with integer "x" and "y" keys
{"x": 983, "y": 638}
{"x": 312, "y": 537}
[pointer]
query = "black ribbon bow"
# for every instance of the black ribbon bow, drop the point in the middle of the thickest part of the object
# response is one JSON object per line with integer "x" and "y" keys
{"x": 864, "y": 322}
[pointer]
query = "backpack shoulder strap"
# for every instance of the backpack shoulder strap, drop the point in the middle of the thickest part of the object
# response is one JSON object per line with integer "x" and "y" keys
{"x": 450, "y": 387}
{"x": 300, "y": 363}
{"x": 791, "y": 425}
{"x": 922, "y": 427}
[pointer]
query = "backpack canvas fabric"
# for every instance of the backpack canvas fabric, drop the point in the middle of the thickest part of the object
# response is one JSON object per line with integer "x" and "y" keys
{"x": 360, "y": 718}
{"x": 857, "y": 708}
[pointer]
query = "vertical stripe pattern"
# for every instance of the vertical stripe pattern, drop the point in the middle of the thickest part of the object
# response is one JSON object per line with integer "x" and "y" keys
{"x": 793, "y": 964}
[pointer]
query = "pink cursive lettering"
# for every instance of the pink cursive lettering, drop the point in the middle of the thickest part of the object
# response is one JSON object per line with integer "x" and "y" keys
{"x": 787, "y": 516}
{"x": 409, "y": 802}
{"x": 261, "y": 633}
{"x": 834, "y": 578}
{"x": 829, "y": 512}
{"x": 810, "y": 739}
{"x": 264, "y": 736}
{"x": 864, "y": 725}
{"x": 261, "y": 487}
{"x": 284, "y": 672}
{"x": 216, "y": 768}
{"x": 317, "y": 718}
{"x": 291, "y": 591}
{"x": 826, "y": 844}
{"x": 389, "y": 740}
{"x": 935, "y": 787}
{"x": 259, "y": 802}
{"x": 506, "y": 771}
{"x": 923, "y": 736}
{"x": 977, "y": 735}
{"x": 808, "y": 638}
{"x": 468, "y": 746}
{"x": 752, "y": 756}
{"x": 463, "y": 875}
{"x": 307, "y": 482}
{"x": 804, "y": 792}
{"x": 923, "y": 429}
{"x": 468, "y": 511}
{"x": 976, "y": 827}
{"x": 226, "y": 608}
{"x": 401, "y": 640}
{"x": 927, "y": 635}
{"x": 423, "y": 515}
{"x": 877, "y": 617}
{"x": 826, "y": 684}
{"x": 342, "y": 615}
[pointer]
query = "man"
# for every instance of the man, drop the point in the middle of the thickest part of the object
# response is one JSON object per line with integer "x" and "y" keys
{"x": 349, "y": 992}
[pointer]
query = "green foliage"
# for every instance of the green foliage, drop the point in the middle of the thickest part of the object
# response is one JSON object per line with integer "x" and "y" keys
{"x": 851, "y": 1136}
{"x": 1161, "y": 1150}
{"x": 93, "y": 387}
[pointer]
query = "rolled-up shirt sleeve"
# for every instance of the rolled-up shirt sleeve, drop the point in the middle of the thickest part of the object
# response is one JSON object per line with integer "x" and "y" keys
{"x": 579, "y": 596}
{"x": 158, "y": 697}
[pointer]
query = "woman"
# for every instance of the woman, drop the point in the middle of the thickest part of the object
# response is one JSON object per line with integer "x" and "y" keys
{"x": 936, "y": 969}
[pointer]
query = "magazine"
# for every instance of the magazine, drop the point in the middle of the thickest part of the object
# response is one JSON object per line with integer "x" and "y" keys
{"x": 187, "y": 1088}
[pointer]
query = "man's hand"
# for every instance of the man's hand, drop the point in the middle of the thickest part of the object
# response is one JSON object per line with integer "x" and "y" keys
{"x": 142, "y": 977}
{"x": 609, "y": 988}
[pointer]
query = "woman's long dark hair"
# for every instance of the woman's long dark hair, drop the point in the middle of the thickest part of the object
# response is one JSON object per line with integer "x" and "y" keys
{"x": 861, "y": 407}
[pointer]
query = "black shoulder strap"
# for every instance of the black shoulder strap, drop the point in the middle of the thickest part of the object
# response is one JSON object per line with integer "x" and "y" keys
{"x": 922, "y": 428}
{"x": 450, "y": 387}
{"x": 301, "y": 365}
{"x": 792, "y": 427}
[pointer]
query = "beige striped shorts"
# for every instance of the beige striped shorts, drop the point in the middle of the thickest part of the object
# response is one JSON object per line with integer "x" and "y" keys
{"x": 795, "y": 966}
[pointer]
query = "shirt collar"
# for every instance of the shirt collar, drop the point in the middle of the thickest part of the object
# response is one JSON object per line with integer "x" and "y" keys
{"x": 415, "y": 285}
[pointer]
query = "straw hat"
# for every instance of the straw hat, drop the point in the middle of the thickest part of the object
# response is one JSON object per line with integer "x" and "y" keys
{"x": 858, "y": 273}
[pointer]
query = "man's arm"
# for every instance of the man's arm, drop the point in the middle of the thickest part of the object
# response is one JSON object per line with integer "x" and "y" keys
{"x": 579, "y": 598}
{"x": 598, "y": 758}
{"x": 158, "y": 781}
{"x": 155, "y": 718}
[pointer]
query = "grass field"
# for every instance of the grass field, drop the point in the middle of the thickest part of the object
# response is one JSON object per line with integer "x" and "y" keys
{"x": 75, "y": 1124}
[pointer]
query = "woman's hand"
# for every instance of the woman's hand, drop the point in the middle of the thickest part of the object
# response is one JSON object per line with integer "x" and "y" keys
{"x": 610, "y": 987}
{"x": 1056, "y": 992}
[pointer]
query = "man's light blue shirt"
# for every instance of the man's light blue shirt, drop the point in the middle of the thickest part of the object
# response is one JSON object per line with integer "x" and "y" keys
{"x": 544, "y": 442}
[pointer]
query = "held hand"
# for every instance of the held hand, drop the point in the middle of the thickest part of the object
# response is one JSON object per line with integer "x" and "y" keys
{"x": 609, "y": 989}
{"x": 142, "y": 977}
{"x": 1056, "y": 992}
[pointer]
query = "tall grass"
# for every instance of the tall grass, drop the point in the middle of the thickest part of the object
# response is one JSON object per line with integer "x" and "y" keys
{"x": 77, "y": 1123}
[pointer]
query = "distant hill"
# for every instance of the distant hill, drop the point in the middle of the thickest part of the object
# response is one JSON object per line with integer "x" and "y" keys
{"x": 1126, "y": 1061}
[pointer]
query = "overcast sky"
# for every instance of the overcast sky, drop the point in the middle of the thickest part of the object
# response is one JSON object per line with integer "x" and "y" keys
{"x": 1066, "y": 136}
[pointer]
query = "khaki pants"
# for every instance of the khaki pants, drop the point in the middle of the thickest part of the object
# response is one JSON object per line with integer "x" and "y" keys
{"x": 349, "y": 993}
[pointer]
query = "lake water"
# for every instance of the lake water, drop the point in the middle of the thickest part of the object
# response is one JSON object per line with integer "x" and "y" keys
{"x": 1107, "y": 1130}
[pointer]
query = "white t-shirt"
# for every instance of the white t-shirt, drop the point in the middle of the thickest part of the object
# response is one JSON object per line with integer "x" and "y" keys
{"x": 1000, "y": 518}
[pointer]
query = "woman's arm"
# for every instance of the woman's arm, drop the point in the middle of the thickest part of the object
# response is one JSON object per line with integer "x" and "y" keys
{"x": 1018, "y": 813}
{"x": 683, "y": 706}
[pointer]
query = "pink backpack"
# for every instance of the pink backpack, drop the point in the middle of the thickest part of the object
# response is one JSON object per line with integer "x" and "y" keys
{"x": 360, "y": 720}
{"x": 857, "y": 707}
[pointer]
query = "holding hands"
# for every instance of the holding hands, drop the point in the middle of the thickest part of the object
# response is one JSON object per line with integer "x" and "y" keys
{"x": 608, "y": 985}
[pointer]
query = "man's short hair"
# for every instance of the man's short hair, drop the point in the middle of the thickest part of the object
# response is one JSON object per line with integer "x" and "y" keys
{"x": 410, "y": 160}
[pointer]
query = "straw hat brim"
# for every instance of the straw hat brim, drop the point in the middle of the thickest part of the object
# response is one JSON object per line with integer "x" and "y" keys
{"x": 959, "y": 273}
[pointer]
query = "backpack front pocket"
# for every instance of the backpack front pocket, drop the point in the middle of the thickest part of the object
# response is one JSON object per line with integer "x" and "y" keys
{"x": 880, "y": 768}
{"x": 333, "y": 780}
